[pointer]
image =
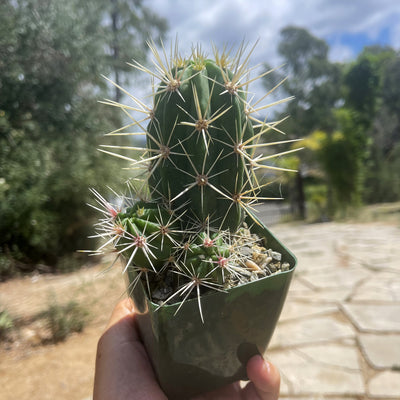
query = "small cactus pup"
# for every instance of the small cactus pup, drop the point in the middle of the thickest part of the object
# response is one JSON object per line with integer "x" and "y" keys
{"x": 197, "y": 258}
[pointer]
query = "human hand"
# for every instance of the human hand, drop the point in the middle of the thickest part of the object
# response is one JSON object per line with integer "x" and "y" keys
{"x": 120, "y": 348}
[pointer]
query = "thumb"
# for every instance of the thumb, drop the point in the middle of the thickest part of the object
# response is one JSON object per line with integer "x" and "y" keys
{"x": 265, "y": 380}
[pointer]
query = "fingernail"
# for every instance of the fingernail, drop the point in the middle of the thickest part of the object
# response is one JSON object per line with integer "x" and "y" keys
{"x": 267, "y": 366}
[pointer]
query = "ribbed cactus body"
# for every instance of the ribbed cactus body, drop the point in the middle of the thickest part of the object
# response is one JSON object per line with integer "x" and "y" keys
{"x": 147, "y": 235}
{"x": 197, "y": 125}
{"x": 200, "y": 171}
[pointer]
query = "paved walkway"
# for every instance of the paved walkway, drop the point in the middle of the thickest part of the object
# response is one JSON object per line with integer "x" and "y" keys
{"x": 339, "y": 333}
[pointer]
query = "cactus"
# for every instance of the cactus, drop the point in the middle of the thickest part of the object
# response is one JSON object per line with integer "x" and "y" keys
{"x": 199, "y": 173}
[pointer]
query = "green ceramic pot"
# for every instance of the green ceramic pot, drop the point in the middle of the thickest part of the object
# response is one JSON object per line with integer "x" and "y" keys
{"x": 191, "y": 357}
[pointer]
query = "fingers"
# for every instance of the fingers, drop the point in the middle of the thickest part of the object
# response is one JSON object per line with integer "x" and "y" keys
{"x": 265, "y": 380}
{"x": 123, "y": 309}
{"x": 122, "y": 365}
{"x": 121, "y": 326}
{"x": 122, "y": 319}
{"x": 264, "y": 385}
{"x": 229, "y": 392}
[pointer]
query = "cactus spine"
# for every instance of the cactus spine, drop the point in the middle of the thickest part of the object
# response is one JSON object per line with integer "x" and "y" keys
{"x": 197, "y": 115}
{"x": 200, "y": 173}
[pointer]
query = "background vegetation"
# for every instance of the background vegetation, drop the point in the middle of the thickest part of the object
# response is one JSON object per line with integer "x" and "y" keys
{"x": 52, "y": 55}
{"x": 349, "y": 117}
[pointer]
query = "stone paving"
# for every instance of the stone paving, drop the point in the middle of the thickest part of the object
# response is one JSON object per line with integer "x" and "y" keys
{"x": 339, "y": 334}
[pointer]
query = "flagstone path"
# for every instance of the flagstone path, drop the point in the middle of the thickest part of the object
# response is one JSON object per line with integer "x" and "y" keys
{"x": 339, "y": 333}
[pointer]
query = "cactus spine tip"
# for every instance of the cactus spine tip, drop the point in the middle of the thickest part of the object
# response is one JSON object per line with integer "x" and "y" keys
{"x": 199, "y": 166}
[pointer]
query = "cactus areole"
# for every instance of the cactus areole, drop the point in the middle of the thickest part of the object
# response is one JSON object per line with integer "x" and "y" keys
{"x": 197, "y": 126}
{"x": 187, "y": 230}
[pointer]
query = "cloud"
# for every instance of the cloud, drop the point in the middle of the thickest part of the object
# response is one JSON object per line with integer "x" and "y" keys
{"x": 346, "y": 25}
{"x": 231, "y": 21}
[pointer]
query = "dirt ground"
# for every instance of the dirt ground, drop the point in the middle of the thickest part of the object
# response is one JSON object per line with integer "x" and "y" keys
{"x": 30, "y": 369}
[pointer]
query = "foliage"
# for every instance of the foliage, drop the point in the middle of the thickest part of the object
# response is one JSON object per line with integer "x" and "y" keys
{"x": 336, "y": 154}
{"x": 355, "y": 107}
{"x": 315, "y": 84}
{"x": 52, "y": 55}
{"x": 7, "y": 267}
{"x": 63, "y": 320}
{"x": 6, "y": 323}
{"x": 317, "y": 202}
{"x": 314, "y": 81}
{"x": 131, "y": 24}
{"x": 382, "y": 182}
{"x": 383, "y": 176}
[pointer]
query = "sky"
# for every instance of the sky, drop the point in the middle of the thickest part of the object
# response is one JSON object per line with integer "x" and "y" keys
{"x": 346, "y": 25}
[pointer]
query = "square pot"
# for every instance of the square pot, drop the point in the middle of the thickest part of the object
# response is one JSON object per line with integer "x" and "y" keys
{"x": 191, "y": 357}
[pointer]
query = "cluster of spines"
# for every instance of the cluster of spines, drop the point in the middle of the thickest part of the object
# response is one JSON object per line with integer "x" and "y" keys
{"x": 150, "y": 240}
{"x": 203, "y": 136}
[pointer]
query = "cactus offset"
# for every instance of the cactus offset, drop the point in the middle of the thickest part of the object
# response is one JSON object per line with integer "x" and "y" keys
{"x": 200, "y": 172}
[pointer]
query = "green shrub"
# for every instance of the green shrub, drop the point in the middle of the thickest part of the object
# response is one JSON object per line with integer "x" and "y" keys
{"x": 63, "y": 320}
{"x": 70, "y": 263}
{"x": 7, "y": 268}
{"x": 6, "y": 323}
{"x": 317, "y": 202}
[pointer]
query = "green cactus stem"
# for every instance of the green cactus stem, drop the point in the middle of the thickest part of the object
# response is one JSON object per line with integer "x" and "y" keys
{"x": 203, "y": 138}
{"x": 201, "y": 118}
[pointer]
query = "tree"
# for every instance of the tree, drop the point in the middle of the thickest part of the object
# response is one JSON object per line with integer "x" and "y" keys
{"x": 52, "y": 55}
{"x": 315, "y": 84}
{"x": 354, "y": 108}
{"x": 313, "y": 80}
{"x": 131, "y": 24}
{"x": 379, "y": 111}
{"x": 363, "y": 82}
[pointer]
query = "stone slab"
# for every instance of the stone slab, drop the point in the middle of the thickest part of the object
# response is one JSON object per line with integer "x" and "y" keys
{"x": 374, "y": 317}
{"x": 305, "y": 377}
{"x": 385, "y": 384}
{"x": 307, "y": 265}
{"x": 310, "y": 331}
{"x": 336, "y": 277}
{"x": 297, "y": 286}
{"x": 327, "y": 296}
{"x": 381, "y": 351}
{"x": 284, "y": 388}
{"x": 319, "y": 397}
{"x": 295, "y": 310}
{"x": 381, "y": 286}
{"x": 332, "y": 354}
